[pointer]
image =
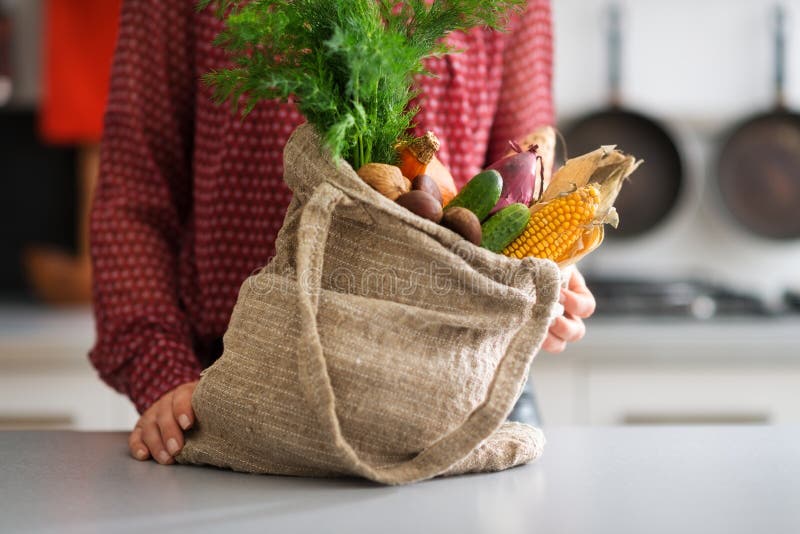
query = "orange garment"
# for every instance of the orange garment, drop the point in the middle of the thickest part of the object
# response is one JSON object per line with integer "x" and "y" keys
{"x": 79, "y": 41}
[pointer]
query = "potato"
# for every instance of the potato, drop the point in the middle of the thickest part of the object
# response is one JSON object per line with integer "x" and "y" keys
{"x": 423, "y": 182}
{"x": 422, "y": 204}
{"x": 463, "y": 222}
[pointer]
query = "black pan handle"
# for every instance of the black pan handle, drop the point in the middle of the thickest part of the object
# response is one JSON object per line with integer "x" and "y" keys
{"x": 614, "y": 55}
{"x": 780, "y": 57}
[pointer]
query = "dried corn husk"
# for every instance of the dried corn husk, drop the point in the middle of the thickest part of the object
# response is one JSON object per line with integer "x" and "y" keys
{"x": 606, "y": 167}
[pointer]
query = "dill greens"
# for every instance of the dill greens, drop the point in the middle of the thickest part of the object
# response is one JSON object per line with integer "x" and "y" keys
{"x": 348, "y": 65}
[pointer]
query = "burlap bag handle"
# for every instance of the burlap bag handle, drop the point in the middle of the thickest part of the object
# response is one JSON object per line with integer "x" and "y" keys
{"x": 315, "y": 382}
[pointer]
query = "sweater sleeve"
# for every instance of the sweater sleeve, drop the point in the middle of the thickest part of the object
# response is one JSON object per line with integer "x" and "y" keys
{"x": 144, "y": 342}
{"x": 526, "y": 99}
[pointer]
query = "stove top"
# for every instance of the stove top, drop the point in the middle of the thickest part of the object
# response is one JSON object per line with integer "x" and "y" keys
{"x": 681, "y": 298}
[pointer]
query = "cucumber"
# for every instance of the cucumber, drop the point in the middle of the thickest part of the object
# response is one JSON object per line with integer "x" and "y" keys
{"x": 480, "y": 194}
{"x": 505, "y": 226}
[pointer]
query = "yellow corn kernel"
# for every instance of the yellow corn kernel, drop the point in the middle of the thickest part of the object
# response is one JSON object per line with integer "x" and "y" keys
{"x": 555, "y": 228}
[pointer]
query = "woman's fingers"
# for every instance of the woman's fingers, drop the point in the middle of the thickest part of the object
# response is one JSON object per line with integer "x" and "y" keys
{"x": 151, "y": 434}
{"x": 578, "y": 300}
{"x": 171, "y": 433}
{"x": 137, "y": 446}
{"x": 564, "y": 329}
{"x": 554, "y": 344}
{"x": 159, "y": 432}
{"x": 568, "y": 328}
{"x": 578, "y": 304}
{"x": 576, "y": 281}
{"x": 182, "y": 405}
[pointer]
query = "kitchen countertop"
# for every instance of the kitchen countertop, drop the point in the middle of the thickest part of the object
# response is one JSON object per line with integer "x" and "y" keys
{"x": 590, "y": 480}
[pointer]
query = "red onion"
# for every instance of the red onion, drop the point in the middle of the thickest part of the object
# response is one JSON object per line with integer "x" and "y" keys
{"x": 519, "y": 176}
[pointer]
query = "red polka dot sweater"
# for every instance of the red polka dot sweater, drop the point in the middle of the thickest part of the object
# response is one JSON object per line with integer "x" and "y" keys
{"x": 190, "y": 197}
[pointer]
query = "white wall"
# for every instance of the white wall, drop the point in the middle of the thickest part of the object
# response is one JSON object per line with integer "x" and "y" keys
{"x": 710, "y": 59}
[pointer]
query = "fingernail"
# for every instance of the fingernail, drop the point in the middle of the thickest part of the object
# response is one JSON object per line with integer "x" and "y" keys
{"x": 141, "y": 454}
{"x": 183, "y": 420}
{"x": 164, "y": 457}
{"x": 172, "y": 446}
{"x": 562, "y": 297}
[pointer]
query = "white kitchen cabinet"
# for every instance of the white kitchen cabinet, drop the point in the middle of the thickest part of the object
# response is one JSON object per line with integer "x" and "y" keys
{"x": 73, "y": 399}
{"x": 46, "y": 380}
{"x": 559, "y": 384}
{"x": 685, "y": 395}
{"x": 637, "y": 372}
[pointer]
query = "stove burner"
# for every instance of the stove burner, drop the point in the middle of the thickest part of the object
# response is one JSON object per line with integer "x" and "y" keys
{"x": 679, "y": 298}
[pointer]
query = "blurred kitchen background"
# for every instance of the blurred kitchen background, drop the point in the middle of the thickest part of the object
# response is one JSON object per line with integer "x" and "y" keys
{"x": 698, "y": 315}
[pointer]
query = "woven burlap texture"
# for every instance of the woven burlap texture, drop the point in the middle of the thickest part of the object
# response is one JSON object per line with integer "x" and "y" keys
{"x": 375, "y": 343}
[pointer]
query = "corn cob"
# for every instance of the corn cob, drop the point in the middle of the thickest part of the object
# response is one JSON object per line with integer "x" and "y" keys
{"x": 556, "y": 228}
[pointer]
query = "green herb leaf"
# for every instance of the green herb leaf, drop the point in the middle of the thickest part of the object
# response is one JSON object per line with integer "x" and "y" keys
{"x": 347, "y": 64}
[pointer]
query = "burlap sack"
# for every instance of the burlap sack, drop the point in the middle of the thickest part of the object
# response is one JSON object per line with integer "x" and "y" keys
{"x": 375, "y": 343}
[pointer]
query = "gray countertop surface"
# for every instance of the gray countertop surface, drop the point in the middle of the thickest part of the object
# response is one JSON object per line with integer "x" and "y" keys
{"x": 590, "y": 480}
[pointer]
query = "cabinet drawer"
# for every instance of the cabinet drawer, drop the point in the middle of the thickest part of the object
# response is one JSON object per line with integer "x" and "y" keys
{"x": 73, "y": 400}
{"x": 693, "y": 395}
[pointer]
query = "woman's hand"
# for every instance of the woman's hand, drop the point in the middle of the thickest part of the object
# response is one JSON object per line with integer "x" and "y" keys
{"x": 578, "y": 304}
{"x": 159, "y": 431}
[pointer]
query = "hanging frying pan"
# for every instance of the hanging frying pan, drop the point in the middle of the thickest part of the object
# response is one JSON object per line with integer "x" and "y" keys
{"x": 652, "y": 193}
{"x": 759, "y": 165}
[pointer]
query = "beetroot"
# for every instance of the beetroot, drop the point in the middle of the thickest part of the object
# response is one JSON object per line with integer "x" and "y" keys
{"x": 519, "y": 176}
